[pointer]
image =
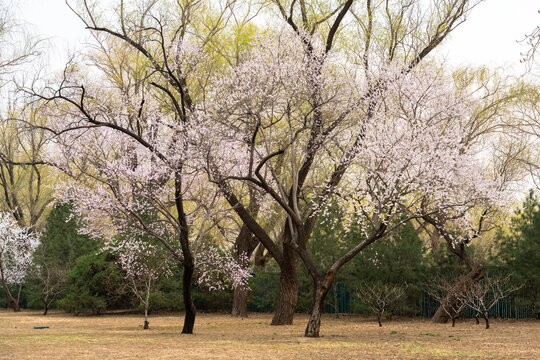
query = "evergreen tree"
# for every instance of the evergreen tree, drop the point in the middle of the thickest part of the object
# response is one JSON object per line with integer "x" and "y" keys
{"x": 61, "y": 246}
{"x": 96, "y": 284}
{"x": 519, "y": 251}
{"x": 399, "y": 260}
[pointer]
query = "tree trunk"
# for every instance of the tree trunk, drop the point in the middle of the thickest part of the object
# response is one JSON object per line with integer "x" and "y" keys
{"x": 146, "y": 323}
{"x": 477, "y": 318}
{"x": 146, "y": 306}
{"x": 379, "y": 318}
{"x": 46, "y": 310}
{"x": 453, "y": 321}
{"x": 462, "y": 285}
{"x": 288, "y": 297}
{"x": 288, "y": 289}
{"x": 245, "y": 244}
{"x": 240, "y": 298}
{"x": 314, "y": 323}
{"x": 14, "y": 302}
{"x": 187, "y": 287}
{"x": 188, "y": 261}
{"x": 486, "y": 319}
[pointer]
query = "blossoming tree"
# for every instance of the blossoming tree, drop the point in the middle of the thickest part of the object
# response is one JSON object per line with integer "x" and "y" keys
{"x": 17, "y": 245}
{"x": 294, "y": 115}
{"x": 317, "y": 84}
{"x": 386, "y": 155}
{"x": 124, "y": 143}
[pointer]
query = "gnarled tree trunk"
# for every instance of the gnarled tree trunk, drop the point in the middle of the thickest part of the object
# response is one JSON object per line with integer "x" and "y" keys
{"x": 461, "y": 287}
{"x": 466, "y": 282}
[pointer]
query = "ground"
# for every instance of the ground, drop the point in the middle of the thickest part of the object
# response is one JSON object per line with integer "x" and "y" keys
{"x": 219, "y": 336}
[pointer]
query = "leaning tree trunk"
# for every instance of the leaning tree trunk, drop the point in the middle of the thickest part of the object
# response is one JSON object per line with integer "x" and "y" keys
{"x": 46, "y": 309}
{"x": 441, "y": 316}
{"x": 319, "y": 295}
{"x": 465, "y": 283}
{"x": 288, "y": 288}
{"x": 14, "y": 302}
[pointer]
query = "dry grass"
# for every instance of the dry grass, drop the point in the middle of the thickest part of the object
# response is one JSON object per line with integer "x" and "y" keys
{"x": 220, "y": 336}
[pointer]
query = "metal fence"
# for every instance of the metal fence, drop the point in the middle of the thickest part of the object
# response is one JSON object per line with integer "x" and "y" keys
{"x": 424, "y": 303}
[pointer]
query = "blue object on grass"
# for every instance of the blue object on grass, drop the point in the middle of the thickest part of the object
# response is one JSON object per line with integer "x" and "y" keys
{"x": 41, "y": 327}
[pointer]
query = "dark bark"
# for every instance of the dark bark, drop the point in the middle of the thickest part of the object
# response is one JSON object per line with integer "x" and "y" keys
{"x": 46, "y": 310}
{"x": 322, "y": 287}
{"x": 379, "y": 315}
{"x": 486, "y": 319}
{"x": 187, "y": 287}
{"x": 453, "y": 321}
{"x": 188, "y": 261}
{"x": 288, "y": 288}
{"x": 16, "y": 306}
{"x": 146, "y": 325}
{"x": 14, "y": 302}
{"x": 285, "y": 257}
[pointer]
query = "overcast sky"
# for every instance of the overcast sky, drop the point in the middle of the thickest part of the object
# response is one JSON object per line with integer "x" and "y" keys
{"x": 488, "y": 37}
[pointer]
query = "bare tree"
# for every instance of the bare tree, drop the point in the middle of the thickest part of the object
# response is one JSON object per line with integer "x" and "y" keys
{"x": 532, "y": 41}
{"x": 379, "y": 297}
{"x": 53, "y": 279}
{"x": 453, "y": 299}
{"x": 485, "y": 294}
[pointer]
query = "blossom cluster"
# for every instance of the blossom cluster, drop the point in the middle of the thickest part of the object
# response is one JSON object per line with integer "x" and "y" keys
{"x": 17, "y": 246}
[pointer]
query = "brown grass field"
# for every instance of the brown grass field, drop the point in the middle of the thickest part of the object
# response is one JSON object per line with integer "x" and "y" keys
{"x": 219, "y": 336}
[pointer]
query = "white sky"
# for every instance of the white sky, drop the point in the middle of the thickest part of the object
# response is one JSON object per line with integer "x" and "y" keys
{"x": 489, "y": 37}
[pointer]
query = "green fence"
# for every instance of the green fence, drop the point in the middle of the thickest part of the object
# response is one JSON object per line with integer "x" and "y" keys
{"x": 505, "y": 308}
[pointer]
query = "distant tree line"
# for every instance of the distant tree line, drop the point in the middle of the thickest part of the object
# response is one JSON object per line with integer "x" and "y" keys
{"x": 72, "y": 273}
